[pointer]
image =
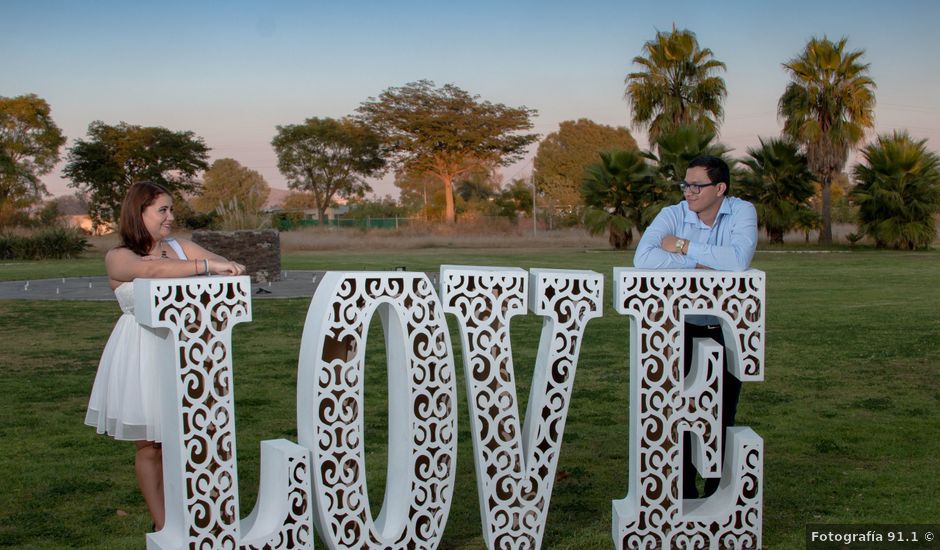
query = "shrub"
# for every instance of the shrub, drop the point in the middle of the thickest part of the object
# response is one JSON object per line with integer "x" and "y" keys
{"x": 8, "y": 243}
{"x": 898, "y": 192}
{"x": 51, "y": 243}
{"x": 853, "y": 238}
{"x": 189, "y": 218}
{"x": 287, "y": 220}
{"x": 208, "y": 220}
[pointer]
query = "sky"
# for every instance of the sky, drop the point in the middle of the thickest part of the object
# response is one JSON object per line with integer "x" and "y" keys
{"x": 232, "y": 71}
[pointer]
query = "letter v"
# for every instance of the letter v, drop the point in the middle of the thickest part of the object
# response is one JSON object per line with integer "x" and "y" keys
{"x": 516, "y": 471}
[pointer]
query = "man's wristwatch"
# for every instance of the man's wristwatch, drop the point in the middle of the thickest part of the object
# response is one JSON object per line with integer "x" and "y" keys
{"x": 680, "y": 244}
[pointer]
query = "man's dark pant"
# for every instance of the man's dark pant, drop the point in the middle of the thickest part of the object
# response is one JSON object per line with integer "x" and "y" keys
{"x": 730, "y": 391}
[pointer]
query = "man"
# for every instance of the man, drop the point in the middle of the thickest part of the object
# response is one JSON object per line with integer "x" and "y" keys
{"x": 708, "y": 229}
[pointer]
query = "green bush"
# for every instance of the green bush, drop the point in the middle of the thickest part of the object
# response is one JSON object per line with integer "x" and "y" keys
{"x": 287, "y": 220}
{"x": 209, "y": 220}
{"x": 50, "y": 243}
{"x": 7, "y": 246}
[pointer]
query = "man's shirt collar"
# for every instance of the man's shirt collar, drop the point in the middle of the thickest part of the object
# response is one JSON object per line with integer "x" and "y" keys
{"x": 692, "y": 217}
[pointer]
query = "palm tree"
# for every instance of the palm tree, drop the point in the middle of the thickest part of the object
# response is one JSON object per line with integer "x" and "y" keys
{"x": 678, "y": 146}
{"x": 677, "y": 86}
{"x": 619, "y": 192}
{"x": 826, "y": 107}
{"x": 779, "y": 183}
{"x": 898, "y": 191}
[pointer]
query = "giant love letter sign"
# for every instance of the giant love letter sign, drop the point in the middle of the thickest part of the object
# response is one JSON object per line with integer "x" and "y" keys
{"x": 663, "y": 405}
{"x": 516, "y": 470}
{"x": 321, "y": 482}
{"x": 192, "y": 322}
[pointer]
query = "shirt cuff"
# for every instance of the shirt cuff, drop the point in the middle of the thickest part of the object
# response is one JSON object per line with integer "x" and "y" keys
{"x": 685, "y": 261}
{"x": 692, "y": 252}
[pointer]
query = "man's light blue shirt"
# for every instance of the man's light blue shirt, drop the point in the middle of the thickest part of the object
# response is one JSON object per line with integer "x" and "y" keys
{"x": 728, "y": 245}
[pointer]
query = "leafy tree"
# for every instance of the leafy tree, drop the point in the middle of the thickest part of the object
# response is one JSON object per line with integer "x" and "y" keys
{"x": 826, "y": 107}
{"x": 446, "y": 132}
{"x": 898, "y": 191}
{"x": 476, "y": 192}
{"x": 470, "y": 190}
{"x": 516, "y": 197}
{"x": 678, "y": 84}
{"x": 112, "y": 158}
{"x": 620, "y": 193}
{"x": 29, "y": 147}
{"x": 50, "y": 213}
{"x": 299, "y": 200}
{"x": 385, "y": 207}
{"x": 421, "y": 192}
{"x": 328, "y": 157}
{"x": 294, "y": 205}
{"x": 564, "y": 154}
{"x": 71, "y": 205}
{"x": 189, "y": 218}
{"x": 225, "y": 180}
{"x": 479, "y": 184}
{"x": 473, "y": 199}
{"x": 779, "y": 183}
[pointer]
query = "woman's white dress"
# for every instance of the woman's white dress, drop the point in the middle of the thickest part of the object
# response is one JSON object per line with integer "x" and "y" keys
{"x": 124, "y": 401}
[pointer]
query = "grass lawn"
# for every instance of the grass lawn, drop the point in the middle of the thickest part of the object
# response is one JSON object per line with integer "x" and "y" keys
{"x": 848, "y": 410}
{"x": 24, "y": 270}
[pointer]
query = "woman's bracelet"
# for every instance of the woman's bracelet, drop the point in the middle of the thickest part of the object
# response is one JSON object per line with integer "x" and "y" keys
{"x": 206, "y": 262}
{"x": 196, "y": 265}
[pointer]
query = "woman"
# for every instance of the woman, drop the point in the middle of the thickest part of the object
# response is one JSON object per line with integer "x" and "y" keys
{"x": 123, "y": 400}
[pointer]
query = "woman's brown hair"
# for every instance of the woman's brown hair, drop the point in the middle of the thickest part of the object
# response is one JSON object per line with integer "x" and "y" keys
{"x": 134, "y": 234}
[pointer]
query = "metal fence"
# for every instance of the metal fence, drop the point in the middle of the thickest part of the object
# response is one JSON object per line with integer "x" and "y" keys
{"x": 286, "y": 224}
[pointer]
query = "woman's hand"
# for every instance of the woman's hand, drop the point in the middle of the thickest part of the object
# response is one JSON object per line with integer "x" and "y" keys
{"x": 225, "y": 267}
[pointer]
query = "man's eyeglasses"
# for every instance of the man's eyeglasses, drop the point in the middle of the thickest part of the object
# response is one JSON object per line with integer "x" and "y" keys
{"x": 693, "y": 188}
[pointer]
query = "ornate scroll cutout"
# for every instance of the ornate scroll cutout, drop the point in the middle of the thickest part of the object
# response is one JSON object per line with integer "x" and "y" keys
{"x": 662, "y": 407}
{"x": 422, "y": 410}
{"x": 516, "y": 470}
{"x": 197, "y": 408}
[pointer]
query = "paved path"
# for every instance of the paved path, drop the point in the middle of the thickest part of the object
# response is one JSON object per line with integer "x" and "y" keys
{"x": 294, "y": 284}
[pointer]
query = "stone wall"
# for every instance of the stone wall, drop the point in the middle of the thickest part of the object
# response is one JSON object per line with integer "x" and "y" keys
{"x": 259, "y": 251}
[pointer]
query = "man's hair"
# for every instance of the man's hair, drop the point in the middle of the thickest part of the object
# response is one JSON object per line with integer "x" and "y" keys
{"x": 134, "y": 234}
{"x": 716, "y": 169}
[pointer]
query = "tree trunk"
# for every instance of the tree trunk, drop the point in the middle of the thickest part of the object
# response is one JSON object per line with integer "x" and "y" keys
{"x": 825, "y": 232}
{"x": 321, "y": 214}
{"x": 620, "y": 239}
{"x": 450, "y": 215}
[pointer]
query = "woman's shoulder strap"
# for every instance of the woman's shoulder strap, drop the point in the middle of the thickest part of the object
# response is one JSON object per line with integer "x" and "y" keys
{"x": 175, "y": 245}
